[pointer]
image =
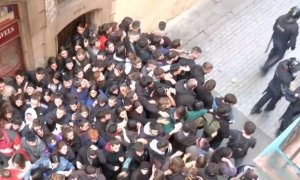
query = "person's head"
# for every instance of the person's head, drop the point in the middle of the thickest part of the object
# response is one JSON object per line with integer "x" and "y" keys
{"x": 112, "y": 101}
{"x": 69, "y": 64}
{"x": 80, "y": 54}
{"x": 139, "y": 148}
{"x": 136, "y": 25}
{"x": 110, "y": 47}
{"x": 133, "y": 36}
{"x": 158, "y": 73}
{"x": 196, "y": 52}
{"x": 207, "y": 67}
{"x": 67, "y": 133}
{"x": 145, "y": 167}
{"x": 230, "y": 99}
{"x": 151, "y": 64}
{"x": 93, "y": 135}
{"x": 121, "y": 52}
{"x": 20, "y": 76}
{"x": 175, "y": 69}
{"x": 47, "y": 95}
{"x": 94, "y": 42}
{"x": 84, "y": 125}
{"x": 80, "y": 28}
{"x": 90, "y": 170}
{"x": 122, "y": 113}
{"x": 62, "y": 148}
{"x": 210, "y": 85}
{"x": 30, "y": 115}
{"x": 250, "y": 175}
{"x": 35, "y": 100}
{"x": 146, "y": 81}
{"x": 16, "y": 124}
{"x": 31, "y": 138}
{"x": 58, "y": 99}
{"x": 162, "y": 25}
{"x": 18, "y": 100}
{"x": 36, "y": 174}
{"x": 52, "y": 63}
{"x": 219, "y": 153}
{"x": 115, "y": 145}
{"x": 63, "y": 52}
{"x": 138, "y": 107}
{"x": 54, "y": 160}
{"x": 294, "y": 12}
{"x": 158, "y": 55}
{"x": 37, "y": 127}
{"x": 119, "y": 69}
{"x": 188, "y": 126}
{"x": 84, "y": 111}
{"x": 176, "y": 43}
{"x": 40, "y": 73}
{"x": 67, "y": 81}
{"x": 249, "y": 127}
{"x": 181, "y": 112}
{"x": 125, "y": 23}
{"x": 201, "y": 161}
{"x": 29, "y": 88}
{"x": 93, "y": 91}
{"x": 191, "y": 84}
{"x": 7, "y": 111}
{"x": 60, "y": 111}
{"x": 163, "y": 144}
{"x": 18, "y": 160}
{"x": 212, "y": 169}
{"x": 154, "y": 128}
{"x": 176, "y": 165}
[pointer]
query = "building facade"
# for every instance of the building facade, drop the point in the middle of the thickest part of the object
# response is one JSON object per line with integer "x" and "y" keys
{"x": 32, "y": 30}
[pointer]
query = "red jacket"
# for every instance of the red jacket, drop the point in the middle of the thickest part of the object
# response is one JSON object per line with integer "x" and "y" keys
{"x": 10, "y": 139}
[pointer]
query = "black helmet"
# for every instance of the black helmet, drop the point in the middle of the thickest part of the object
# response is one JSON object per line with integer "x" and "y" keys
{"x": 294, "y": 12}
{"x": 293, "y": 65}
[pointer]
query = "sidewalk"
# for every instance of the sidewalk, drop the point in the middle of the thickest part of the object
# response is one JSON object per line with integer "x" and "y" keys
{"x": 233, "y": 35}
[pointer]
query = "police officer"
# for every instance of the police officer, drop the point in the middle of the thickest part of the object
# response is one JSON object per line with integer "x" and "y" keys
{"x": 284, "y": 37}
{"x": 280, "y": 83}
{"x": 292, "y": 110}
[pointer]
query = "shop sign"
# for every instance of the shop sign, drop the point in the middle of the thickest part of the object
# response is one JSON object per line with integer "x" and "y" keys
{"x": 9, "y": 33}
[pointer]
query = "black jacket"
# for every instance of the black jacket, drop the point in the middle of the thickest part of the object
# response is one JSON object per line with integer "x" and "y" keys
{"x": 285, "y": 32}
{"x": 197, "y": 73}
{"x": 184, "y": 97}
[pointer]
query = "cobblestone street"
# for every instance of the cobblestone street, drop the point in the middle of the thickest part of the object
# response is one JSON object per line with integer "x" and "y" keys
{"x": 233, "y": 35}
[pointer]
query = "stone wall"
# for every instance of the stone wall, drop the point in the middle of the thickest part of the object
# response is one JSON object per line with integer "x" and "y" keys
{"x": 150, "y": 12}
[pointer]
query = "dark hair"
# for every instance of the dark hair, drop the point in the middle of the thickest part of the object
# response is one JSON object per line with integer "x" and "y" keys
{"x": 201, "y": 161}
{"x": 30, "y": 136}
{"x": 181, "y": 112}
{"x": 176, "y": 165}
{"x": 162, "y": 142}
{"x": 61, "y": 49}
{"x": 142, "y": 42}
{"x": 136, "y": 104}
{"x": 136, "y": 24}
{"x": 197, "y": 49}
{"x": 89, "y": 169}
{"x": 249, "y": 127}
{"x": 112, "y": 128}
{"x": 36, "y": 174}
{"x": 115, "y": 142}
{"x": 121, "y": 52}
{"x": 19, "y": 159}
{"x": 40, "y": 70}
{"x": 219, "y": 153}
{"x": 139, "y": 146}
{"x": 212, "y": 169}
{"x": 250, "y": 175}
{"x": 54, "y": 158}
{"x": 146, "y": 81}
{"x": 188, "y": 126}
{"x": 176, "y": 43}
{"x": 162, "y": 25}
{"x": 103, "y": 29}
{"x": 125, "y": 23}
{"x": 210, "y": 85}
{"x": 92, "y": 41}
{"x": 230, "y": 98}
{"x": 132, "y": 125}
{"x": 20, "y": 73}
{"x": 154, "y": 126}
{"x": 51, "y": 60}
{"x": 158, "y": 71}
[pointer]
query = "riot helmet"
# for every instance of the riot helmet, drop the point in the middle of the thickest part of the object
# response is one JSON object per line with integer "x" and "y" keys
{"x": 293, "y": 65}
{"x": 294, "y": 12}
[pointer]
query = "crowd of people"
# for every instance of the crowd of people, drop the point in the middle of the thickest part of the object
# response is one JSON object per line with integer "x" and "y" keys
{"x": 118, "y": 103}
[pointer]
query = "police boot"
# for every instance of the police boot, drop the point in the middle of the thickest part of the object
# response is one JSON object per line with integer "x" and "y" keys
{"x": 255, "y": 110}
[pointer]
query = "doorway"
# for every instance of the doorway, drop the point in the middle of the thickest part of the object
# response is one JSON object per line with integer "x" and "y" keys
{"x": 92, "y": 19}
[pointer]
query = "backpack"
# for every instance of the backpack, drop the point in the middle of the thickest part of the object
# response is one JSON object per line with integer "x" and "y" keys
{"x": 211, "y": 125}
{"x": 239, "y": 148}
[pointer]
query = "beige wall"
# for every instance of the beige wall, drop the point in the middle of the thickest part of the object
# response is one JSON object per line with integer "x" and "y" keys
{"x": 150, "y": 12}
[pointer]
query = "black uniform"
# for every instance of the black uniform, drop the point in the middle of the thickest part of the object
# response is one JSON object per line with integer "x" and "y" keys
{"x": 278, "y": 85}
{"x": 292, "y": 110}
{"x": 284, "y": 37}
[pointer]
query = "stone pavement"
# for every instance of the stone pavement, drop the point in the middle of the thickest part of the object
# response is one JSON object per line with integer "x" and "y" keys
{"x": 233, "y": 35}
